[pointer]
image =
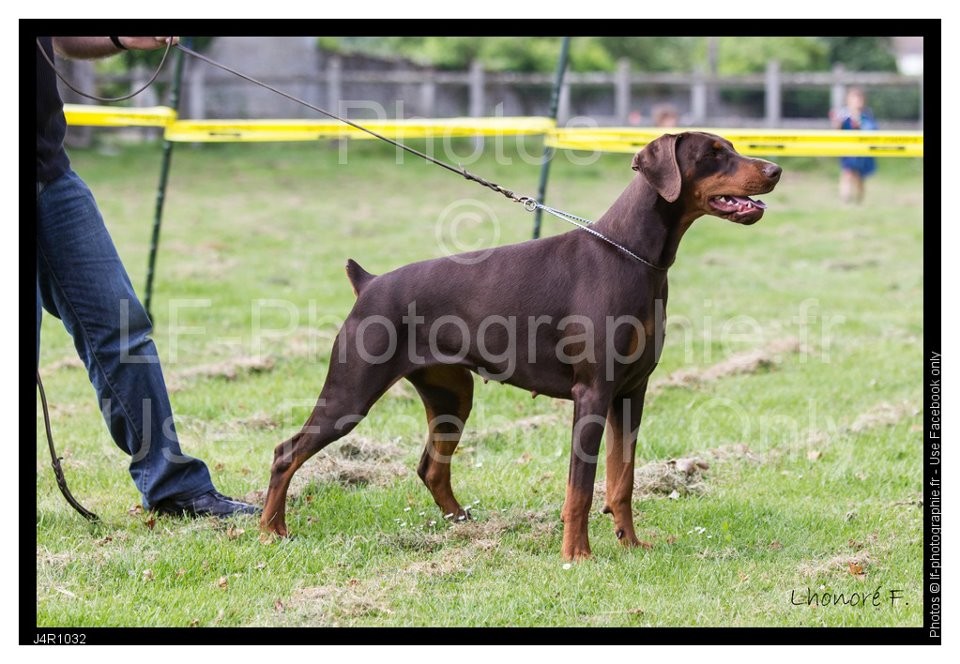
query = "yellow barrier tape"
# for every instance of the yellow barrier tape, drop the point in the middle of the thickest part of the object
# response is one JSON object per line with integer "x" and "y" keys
{"x": 301, "y": 130}
{"x": 769, "y": 142}
{"x": 119, "y": 116}
{"x": 809, "y": 143}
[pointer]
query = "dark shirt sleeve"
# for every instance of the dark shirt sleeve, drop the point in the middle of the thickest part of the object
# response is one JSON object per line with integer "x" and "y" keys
{"x": 52, "y": 160}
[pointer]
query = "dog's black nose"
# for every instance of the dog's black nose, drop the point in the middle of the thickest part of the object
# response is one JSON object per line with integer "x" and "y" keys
{"x": 772, "y": 171}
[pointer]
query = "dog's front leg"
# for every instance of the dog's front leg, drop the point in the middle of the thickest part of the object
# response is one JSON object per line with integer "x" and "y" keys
{"x": 623, "y": 423}
{"x": 589, "y": 411}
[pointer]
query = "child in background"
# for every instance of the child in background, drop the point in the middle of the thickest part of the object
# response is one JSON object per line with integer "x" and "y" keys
{"x": 853, "y": 170}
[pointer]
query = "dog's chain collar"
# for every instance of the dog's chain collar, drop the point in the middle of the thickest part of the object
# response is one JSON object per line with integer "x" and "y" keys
{"x": 584, "y": 224}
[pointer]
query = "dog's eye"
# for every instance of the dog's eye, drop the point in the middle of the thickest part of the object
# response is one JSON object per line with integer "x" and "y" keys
{"x": 719, "y": 153}
{"x": 715, "y": 153}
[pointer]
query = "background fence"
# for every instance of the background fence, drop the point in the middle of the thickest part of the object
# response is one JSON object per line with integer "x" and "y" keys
{"x": 363, "y": 87}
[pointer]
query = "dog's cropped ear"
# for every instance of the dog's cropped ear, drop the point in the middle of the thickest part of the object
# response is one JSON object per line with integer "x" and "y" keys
{"x": 658, "y": 164}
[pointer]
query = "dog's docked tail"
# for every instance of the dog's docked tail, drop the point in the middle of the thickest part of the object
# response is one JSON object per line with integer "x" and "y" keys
{"x": 358, "y": 277}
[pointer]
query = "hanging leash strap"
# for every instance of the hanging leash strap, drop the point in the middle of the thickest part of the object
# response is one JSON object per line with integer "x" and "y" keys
{"x": 67, "y": 83}
{"x": 530, "y": 204}
{"x": 55, "y": 461}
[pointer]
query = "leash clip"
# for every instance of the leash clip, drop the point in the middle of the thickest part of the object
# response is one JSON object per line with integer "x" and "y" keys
{"x": 529, "y": 204}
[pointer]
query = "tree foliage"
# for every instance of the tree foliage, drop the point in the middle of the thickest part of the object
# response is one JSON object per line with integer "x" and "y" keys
{"x": 862, "y": 53}
{"x": 735, "y": 55}
{"x": 745, "y": 55}
{"x": 527, "y": 54}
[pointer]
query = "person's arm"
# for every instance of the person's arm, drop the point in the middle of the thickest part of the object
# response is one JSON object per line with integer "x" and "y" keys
{"x": 86, "y": 48}
{"x": 837, "y": 117}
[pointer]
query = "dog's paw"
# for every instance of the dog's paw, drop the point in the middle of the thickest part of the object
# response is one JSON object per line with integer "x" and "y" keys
{"x": 578, "y": 556}
{"x": 274, "y": 526}
{"x": 458, "y": 515}
{"x": 577, "y": 553}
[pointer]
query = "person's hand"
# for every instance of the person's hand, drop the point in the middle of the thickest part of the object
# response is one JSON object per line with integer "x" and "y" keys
{"x": 147, "y": 43}
{"x": 837, "y": 117}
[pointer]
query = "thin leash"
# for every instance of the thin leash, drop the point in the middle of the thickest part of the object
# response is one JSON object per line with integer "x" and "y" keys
{"x": 459, "y": 171}
{"x": 55, "y": 461}
{"x": 530, "y": 204}
{"x": 88, "y": 95}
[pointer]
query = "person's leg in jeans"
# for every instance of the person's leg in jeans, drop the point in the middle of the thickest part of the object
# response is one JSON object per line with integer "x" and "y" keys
{"x": 82, "y": 282}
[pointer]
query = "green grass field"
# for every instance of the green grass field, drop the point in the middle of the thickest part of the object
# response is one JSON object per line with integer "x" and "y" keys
{"x": 791, "y": 369}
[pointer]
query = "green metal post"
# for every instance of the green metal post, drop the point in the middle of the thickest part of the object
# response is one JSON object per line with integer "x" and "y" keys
{"x": 162, "y": 187}
{"x": 548, "y": 151}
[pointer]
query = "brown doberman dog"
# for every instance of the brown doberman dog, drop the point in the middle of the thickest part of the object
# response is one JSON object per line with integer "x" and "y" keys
{"x": 569, "y": 316}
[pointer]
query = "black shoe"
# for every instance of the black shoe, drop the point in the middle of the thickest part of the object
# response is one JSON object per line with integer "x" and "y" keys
{"x": 210, "y": 503}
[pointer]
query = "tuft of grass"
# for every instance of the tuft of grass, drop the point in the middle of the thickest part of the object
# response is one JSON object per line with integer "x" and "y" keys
{"x": 813, "y": 449}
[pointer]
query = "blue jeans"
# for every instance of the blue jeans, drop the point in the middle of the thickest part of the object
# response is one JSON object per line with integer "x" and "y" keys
{"x": 81, "y": 281}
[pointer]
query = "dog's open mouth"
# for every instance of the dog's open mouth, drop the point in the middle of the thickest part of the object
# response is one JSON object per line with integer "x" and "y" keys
{"x": 741, "y": 209}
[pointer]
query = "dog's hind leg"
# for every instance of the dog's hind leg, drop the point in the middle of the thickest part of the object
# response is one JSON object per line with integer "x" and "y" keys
{"x": 447, "y": 394}
{"x": 349, "y": 391}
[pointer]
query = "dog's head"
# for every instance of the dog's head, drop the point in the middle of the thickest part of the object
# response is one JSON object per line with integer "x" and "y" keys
{"x": 708, "y": 175}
